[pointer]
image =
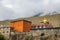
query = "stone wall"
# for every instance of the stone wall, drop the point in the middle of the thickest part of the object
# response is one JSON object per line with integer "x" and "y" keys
{"x": 37, "y": 35}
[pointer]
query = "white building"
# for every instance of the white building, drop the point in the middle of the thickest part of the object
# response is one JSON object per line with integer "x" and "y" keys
{"x": 5, "y": 30}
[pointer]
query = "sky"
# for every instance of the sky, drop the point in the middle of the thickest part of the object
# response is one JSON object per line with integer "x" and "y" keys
{"x": 12, "y": 9}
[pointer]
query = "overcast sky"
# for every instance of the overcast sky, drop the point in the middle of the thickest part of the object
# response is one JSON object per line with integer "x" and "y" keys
{"x": 11, "y": 9}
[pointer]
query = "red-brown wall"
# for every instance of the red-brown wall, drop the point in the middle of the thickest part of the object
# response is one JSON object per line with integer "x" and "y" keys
{"x": 21, "y": 26}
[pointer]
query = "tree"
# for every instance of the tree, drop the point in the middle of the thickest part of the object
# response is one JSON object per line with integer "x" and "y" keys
{"x": 1, "y": 37}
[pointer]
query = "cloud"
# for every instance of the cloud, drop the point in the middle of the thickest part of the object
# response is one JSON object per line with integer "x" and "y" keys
{"x": 11, "y": 9}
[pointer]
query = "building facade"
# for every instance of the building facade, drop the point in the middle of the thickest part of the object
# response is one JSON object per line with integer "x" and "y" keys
{"x": 5, "y": 29}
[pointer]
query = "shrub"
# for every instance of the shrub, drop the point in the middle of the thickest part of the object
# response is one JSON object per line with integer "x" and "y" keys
{"x": 1, "y": 37}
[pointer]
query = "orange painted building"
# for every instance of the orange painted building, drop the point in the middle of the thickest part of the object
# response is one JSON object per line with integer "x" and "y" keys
{"x": 21, "y": 26}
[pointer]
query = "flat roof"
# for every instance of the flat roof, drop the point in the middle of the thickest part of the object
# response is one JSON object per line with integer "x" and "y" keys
{"x": 21, "y": 20}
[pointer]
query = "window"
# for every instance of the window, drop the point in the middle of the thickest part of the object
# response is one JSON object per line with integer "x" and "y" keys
{"x": 3, "y": 31}
{"x": 7, "y": 31}
{"x": 7, "y": 27}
